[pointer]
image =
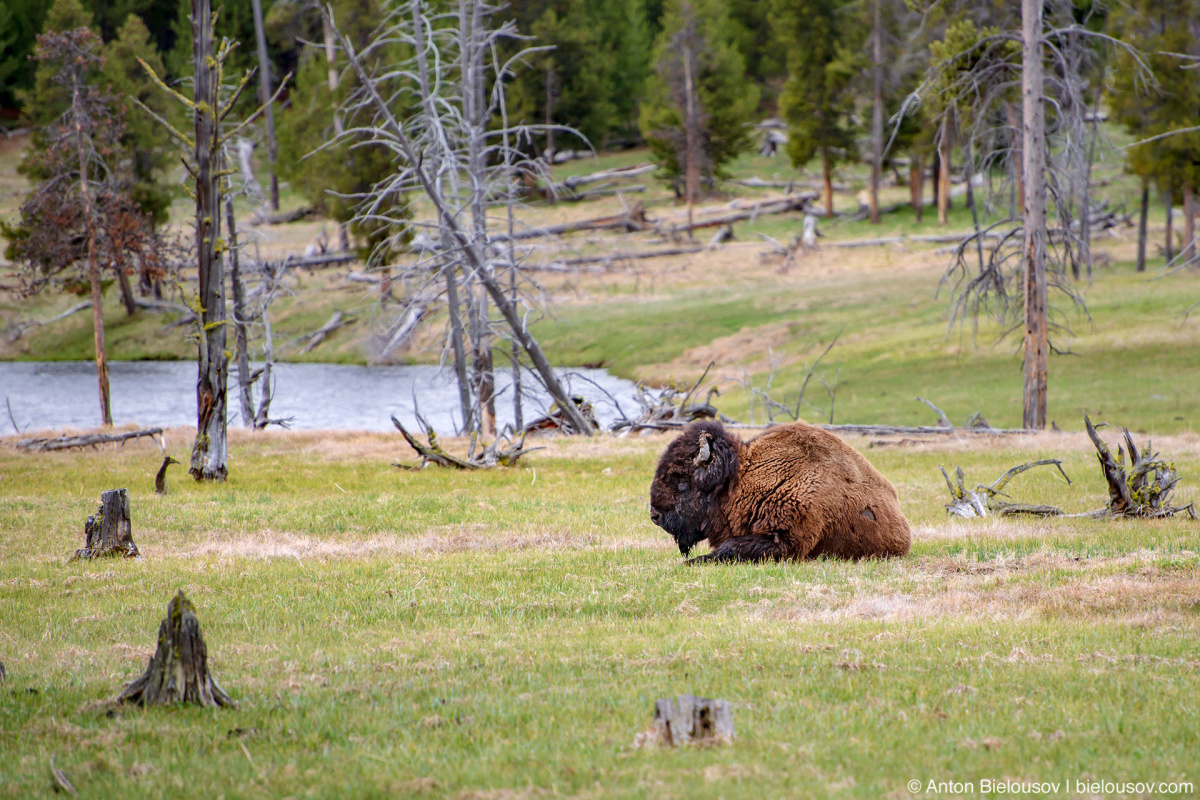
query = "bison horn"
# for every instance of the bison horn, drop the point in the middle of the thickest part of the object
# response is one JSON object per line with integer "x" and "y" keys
{"x": 705, "y": 454}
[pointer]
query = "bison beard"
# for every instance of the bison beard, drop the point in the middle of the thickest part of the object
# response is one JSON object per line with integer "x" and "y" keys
{"x": 794, "y": 492}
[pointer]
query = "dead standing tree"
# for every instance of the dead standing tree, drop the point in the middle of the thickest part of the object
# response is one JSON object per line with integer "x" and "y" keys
{"x": 1025, "y": 258}
{"x": 447, "y": 152}
{"x": 210, "y": 107}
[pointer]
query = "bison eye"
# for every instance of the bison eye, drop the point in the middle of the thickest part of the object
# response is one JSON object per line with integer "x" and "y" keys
{"x": 683, "y": 487}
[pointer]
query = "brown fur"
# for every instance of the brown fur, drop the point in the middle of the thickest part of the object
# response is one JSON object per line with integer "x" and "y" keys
{"x": 793, "y": 492}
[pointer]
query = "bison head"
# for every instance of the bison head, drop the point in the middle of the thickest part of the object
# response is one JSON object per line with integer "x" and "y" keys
{"x": 693, "y": 475}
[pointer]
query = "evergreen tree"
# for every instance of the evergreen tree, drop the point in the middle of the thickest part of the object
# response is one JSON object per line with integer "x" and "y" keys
{"x": 726, "y": 99}
{"x": 826, "y": 53}
{"x": 148, "y": 149}
{"x": 1147, "y": 109}
{"x": 20, "y": 21}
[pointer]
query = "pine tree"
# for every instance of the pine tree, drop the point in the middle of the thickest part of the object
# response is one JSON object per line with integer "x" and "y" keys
{"x": 826, "y": 53}
{"x": 697, "y": 37}
{"x": 148, "y": 149}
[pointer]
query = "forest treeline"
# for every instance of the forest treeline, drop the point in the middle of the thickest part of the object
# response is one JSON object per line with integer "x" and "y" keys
{"x": 837, "y": 72}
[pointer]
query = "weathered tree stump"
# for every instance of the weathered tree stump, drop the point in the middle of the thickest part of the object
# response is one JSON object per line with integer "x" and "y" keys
{"x": 977, "y": 503}
{"x": 1146, "y": 489}
{"x": 178, "y": 672}
{"x": 689, "y": 720}
{"x": 108, "y": 532}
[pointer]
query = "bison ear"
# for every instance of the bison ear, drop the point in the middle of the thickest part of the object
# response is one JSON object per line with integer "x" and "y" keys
{"x": 716, "y": 463}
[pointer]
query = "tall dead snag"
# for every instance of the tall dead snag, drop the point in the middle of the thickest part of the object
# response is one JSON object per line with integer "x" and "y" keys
{"x": 264, "y": 74}
{"x": 210, "y": 450}
{"x": 1146, "y": 489}
{"x": 1033, "y": 151}
{"x": 689, "y": 720}
{"x": 178, "y": 672}
{"x": 109, "y": 532}
{"x": 209, "y": 109}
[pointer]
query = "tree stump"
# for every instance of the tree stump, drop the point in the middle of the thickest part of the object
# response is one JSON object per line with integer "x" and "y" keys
{"x": 178, "y": 672}
{"x": 689, "y": 720}
{"x": 108, "y": 532}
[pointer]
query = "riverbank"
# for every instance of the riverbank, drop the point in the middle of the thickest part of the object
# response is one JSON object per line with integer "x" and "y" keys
{"x": 504, "y": 634}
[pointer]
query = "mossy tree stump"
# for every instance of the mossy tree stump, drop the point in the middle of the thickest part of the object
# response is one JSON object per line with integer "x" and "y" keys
{"x": 178, "y": 672}
{"x": 109, "y": 532}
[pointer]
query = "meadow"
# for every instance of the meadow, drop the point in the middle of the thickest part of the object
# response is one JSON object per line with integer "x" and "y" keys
{"x": 504, "y": 634}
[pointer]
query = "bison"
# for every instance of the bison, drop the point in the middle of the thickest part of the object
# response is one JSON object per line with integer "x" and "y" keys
{"x": 793, "y": 492}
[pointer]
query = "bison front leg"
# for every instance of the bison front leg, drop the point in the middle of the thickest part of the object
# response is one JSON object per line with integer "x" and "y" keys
{"x": 743, "y": 548}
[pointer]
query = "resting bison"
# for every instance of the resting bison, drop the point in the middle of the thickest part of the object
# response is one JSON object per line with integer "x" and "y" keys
{"x": 793, "y": 492}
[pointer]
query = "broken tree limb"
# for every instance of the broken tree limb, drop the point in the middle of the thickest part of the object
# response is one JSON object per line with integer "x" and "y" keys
{"x": 335, "y": 321}
{"x": 569, "y": 185}
{"x": 943, "y": 420}
{"x": 404, "y": 329}
{"x": 18, "y": 329}
{"x": 689, "y": 720}
{"x": 86, "y": 440}
{"x": 433, "y": 453}
{"x": 178, "y": 672}
{"x": 981, "y": 500}
{"x": 108, "y": 532}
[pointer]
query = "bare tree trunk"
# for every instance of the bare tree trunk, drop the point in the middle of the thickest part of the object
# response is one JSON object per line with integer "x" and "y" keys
{"x": 127, "y": 298}
{"x": 827, "y": 174}
{"x": 877, "y": 117}
{"x": 85, "y": 192}
{"x": 209, "y": 453}
{"x": 518, "y": 416}
{"x": 943, "y": 177}
{"x": 1169, "y": 200}
{"x": 241, "y": 347}
{"x": 1017, "y": 159}
{"x": 1034, "y": 159}
{"x": 1142, "y": 219}
{"x": 473, "y": 99}
{"x": 264, "y": 76}
{"x": 916, "y": 184}
{"x": 692, "y": 129}
{"x": 550, "y": 117}
{"x": 332, "y": 77}
{"x": 1189, "y": 219}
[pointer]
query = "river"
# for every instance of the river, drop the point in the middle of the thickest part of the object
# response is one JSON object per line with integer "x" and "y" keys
{"x": 63, "y": 394}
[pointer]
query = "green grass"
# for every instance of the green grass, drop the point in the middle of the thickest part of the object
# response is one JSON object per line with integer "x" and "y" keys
{"x": 505, "y": 634}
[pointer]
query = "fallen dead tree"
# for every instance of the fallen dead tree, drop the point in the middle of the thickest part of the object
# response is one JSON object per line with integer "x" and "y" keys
{"x": 326, "y": 260}
{"x": 92, "y": 440}
{"x": 774, "y": 205}
{"x": 604, "y": 190}
{"x": 433, "y": 453}
{"x": 631, "y": 220}
{"x": 283, "y": 218}
{"x": 1144, "y": 491}
{"x": 335, "y": 321}
{"x": 570, "y": 185}
{"x": 929, "y": 238}
{"x": 983, "y": 499}
{"x": 564, "y": 264}
{"x": 557, "y": 421}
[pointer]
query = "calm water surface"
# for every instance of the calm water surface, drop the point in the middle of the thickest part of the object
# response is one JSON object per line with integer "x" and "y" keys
{"x": 317, "y": 396}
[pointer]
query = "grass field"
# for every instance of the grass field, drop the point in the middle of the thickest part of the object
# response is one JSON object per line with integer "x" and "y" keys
{"x": 505, "y": 634}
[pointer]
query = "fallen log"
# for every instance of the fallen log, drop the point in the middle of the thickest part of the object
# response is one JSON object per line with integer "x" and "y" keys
{"x": 178, "y": 672}
{"x": 18, "y": 330}
{"x": 775, "y": 205}
{"x": 335, "y": 321}
{"x": 629, "y": 221}
{"x": 283, "y": 218}
{"x": 756, "y": 182}
{"x": 602, "y": 191}
{"x": 609, "y": 258}
{"x": 329, "y": 259}
{"x": 86, "y": 440}
{"x": 569, "y": 185}
{"x": 109, "y": 531}
{"x": 934, "y": 238}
